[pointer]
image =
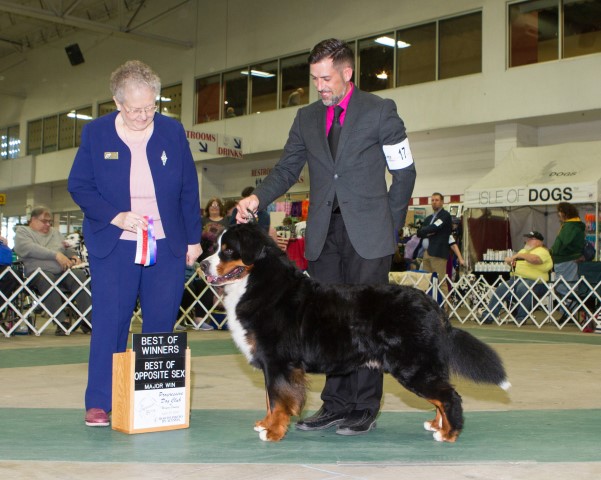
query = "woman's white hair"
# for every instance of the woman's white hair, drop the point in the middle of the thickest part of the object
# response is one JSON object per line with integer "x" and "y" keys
{"x": 134, "y": 73}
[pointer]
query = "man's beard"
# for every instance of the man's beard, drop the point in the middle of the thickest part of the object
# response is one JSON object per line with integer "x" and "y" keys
{"x": 334, "y": 100}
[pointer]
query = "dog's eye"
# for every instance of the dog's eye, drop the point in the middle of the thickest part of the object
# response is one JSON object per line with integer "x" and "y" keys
{"x": 228, "y": 252}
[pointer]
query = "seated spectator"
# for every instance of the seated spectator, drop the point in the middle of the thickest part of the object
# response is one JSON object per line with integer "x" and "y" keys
{"x": 8, "y": 282}
{"x": 41, "y": 246}
{"x": 531, "y": 266}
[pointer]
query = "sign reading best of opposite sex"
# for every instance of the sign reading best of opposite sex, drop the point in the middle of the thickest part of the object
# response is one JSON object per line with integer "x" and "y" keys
{"x": 151, "y": 383}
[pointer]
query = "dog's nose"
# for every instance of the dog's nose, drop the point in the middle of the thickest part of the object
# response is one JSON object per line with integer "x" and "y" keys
{"x": 204, "y": 266}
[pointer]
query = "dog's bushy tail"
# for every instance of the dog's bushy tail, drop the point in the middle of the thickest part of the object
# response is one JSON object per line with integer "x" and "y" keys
{"x": 474, "y": 360}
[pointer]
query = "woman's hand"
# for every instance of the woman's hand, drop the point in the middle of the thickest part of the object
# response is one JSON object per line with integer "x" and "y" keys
{"x": 130, "y": 221}
{"x": 193, "y": 253}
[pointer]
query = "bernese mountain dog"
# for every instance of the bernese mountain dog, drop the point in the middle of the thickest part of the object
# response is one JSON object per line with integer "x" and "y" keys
{"x": 287, "y": 324}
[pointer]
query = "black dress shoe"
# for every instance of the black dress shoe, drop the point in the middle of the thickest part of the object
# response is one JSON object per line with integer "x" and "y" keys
{"x": 84, "y": 327}
{"x": 321, "y": 420}
{"x": 357, "y": 422}
{"x": 60, "y": 332}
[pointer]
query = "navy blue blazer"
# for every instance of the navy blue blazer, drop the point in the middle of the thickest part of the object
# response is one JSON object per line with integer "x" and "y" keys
{"x": 100, "y": 177}
{"x": 437, "y": 233}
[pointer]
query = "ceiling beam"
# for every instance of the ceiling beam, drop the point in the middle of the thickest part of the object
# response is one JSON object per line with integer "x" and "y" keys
{"x": 89, "y": 25}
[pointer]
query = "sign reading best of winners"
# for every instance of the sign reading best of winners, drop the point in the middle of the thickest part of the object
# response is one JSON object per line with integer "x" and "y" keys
{"x": 151, "y": 384}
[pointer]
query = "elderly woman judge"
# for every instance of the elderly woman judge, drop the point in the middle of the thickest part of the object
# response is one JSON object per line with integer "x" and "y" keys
{"x": 135, "y": 181}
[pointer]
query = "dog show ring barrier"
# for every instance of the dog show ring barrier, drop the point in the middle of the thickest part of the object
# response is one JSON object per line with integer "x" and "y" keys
{"x": 579, "y": 304}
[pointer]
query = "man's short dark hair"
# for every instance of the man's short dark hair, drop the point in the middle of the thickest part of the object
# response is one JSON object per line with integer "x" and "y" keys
{"x": 339, "y": 51}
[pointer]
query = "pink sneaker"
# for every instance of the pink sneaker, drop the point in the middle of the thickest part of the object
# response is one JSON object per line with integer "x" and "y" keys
{"x": 96, "y": 417}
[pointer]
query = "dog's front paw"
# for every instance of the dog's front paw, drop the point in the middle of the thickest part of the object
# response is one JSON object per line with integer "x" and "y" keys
{"x": 450, "y": 437}
{"x": 259, "y": 426}
{"x": 271, "y": 435}
{"x": 434, "y": 425}
{"x": 428, "y": 426}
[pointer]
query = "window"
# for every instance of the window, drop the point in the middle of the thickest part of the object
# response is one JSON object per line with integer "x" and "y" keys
{"x": 106, "y": 107}
{"x": 207, "y": 99}
{"x": 581, "y": 28}
{"x": 34, "y": 137}
{"x": 50, "y": 134}
{"x": 10, "y": 142}
{"x": 235, "y": 92}
{"x": 57, "y": 132}
{"x": 70, "y": 126}
{"x": 436, "y": 50}
{"x": 460, "y": 46}
{"x": 66, "y": 130}
{"x": 170, "y": 103}
{"x": 533, "y": 32}
{"x": 264, "y": 87}
{"x": 295, "y": 80}
{"x": 70, "y": 222}
{"x": 83, "y": 116}
{"x": 376, "y": 62}
{"x": 416, "y": 55}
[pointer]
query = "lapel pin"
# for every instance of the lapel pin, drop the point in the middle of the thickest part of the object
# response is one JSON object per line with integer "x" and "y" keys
{"x": 164, "y": 158}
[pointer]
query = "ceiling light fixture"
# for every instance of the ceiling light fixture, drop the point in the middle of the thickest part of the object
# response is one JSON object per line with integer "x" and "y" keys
{"x": 389, "y": 42}
{"x": 258, "y": 73}
{"x": 80, "y": 116}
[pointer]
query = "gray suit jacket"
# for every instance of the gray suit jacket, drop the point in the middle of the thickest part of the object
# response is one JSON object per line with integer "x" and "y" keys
{"x": 371, "y": 211}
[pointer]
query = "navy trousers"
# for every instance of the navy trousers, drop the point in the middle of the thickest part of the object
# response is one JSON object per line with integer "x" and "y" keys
{"x": 117, "y": 283}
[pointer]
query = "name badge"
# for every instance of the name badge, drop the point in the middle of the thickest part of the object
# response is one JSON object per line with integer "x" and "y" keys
{"x": 111, "y": 155}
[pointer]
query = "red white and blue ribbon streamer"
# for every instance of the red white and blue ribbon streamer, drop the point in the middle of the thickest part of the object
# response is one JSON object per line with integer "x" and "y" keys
{"x": 146, "y": 248}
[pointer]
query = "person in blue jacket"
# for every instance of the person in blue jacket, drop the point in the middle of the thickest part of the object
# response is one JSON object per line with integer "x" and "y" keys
{"x": 135, "y": 180}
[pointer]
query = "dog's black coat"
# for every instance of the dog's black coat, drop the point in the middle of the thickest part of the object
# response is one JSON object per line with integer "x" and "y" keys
{"x": 294, "y": 324}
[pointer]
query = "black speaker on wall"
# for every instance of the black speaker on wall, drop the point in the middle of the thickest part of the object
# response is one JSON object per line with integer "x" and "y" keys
{"x": 74, "y": 54}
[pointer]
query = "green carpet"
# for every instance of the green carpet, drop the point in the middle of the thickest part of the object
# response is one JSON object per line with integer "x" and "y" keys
{"x": 219, "y": 436}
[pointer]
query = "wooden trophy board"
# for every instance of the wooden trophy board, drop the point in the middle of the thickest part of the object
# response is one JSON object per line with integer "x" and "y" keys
{"x": 151, "y": 384}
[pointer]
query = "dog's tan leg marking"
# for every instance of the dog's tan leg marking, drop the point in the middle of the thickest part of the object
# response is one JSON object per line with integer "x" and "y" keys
{"x": 440, "y": 425}
{"x": 277, "y": 424}
{"x": 435, "y": 424}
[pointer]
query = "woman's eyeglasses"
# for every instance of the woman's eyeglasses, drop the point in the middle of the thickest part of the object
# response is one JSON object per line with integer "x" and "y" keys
{"x": 138, "y": 111}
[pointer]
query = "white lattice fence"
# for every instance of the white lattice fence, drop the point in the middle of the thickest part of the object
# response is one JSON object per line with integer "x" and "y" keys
{"x": 467, "y": 300}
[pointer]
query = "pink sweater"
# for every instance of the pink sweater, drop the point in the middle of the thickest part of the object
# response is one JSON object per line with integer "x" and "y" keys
{"x": 141, "y": 187}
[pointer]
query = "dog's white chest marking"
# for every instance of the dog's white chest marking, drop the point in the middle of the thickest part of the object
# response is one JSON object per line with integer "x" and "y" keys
{"x": 234, "y": 292}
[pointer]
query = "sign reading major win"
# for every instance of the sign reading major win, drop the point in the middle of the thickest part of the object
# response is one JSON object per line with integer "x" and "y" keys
{"x": 160, "y": 398}
{"x": 160, "y": 360}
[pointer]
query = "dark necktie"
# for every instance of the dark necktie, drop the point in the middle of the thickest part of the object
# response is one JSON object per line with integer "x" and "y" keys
{"x": 335, "y": 129}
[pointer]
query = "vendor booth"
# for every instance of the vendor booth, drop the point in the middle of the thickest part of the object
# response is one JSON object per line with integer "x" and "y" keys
{"x": 521, "y": 193}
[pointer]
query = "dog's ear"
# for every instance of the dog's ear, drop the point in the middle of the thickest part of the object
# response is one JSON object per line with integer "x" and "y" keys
{"x": 251, "y": 243}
